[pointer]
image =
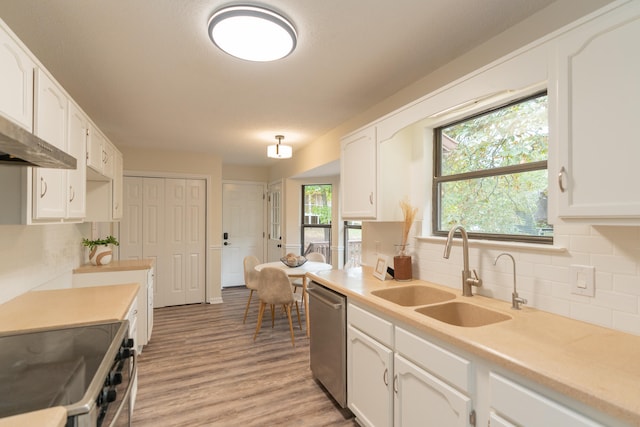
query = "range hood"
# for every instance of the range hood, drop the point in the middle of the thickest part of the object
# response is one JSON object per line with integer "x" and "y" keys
{"x": 19, "y": 147}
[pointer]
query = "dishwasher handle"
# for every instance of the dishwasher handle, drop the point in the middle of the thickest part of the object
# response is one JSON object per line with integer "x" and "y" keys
{"x": 317, "y": 295}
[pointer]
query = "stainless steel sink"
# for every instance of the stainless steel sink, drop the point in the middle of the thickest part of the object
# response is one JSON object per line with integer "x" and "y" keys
{"x": 414, "y": 295}
{"x": 463, "y": 314}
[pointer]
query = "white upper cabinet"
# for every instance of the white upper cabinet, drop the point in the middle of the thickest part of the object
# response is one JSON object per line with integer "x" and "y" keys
{"x": 358, "y": 175}
{"x": 16, "y": 84}
{"x": 76, "y": 179}
{"x": 100, "y": 156}
{"x": 50, "y": 124}
{"x": 375, "y": 176}
{"x": 595, "y": 105}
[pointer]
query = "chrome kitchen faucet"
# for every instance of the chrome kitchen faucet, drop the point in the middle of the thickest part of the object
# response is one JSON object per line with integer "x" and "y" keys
{"x": 467, "y": 280}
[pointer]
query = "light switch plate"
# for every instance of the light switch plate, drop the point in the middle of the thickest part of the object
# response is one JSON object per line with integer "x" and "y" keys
{"x": 583, "y": 280}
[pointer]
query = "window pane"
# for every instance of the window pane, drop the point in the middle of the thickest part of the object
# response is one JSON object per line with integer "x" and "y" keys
{"x": 505, "y": 204}
{"x": 317, "y": 204}
{"x": 317, "y": 239}
{"x": 353, "y": 242}
{"x": 512, "y": 135}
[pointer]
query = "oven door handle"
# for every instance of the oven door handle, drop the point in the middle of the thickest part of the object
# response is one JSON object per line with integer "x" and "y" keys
{"x": 127, "y": 393}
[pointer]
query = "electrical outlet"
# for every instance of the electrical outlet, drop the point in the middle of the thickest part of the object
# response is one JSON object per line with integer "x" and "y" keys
{"x": 583, "y": 280}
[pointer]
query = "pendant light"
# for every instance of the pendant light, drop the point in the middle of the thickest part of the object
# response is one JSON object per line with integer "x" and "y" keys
{"x": 252, "y": 33}
{"x": 279, "y": 151}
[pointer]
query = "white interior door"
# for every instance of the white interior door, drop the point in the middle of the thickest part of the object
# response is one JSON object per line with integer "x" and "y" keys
{"x": 243, "y": 223}
{"x": 274, "y": 233}
{"x": 165, "y": 219}
{"x": 131, "y": 223}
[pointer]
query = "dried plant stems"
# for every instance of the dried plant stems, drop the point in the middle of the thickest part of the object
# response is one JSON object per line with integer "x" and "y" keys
{"x": 409, "y": 213}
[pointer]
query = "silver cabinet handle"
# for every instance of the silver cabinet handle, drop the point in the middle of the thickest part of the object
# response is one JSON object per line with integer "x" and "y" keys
{"x": 43, "y": 187}
{"x": 371, "y": 198}
{"x": 73, "y": 193}
{"x": 395, "y": 384}
{"x": 561, "y": 175}
{"x": 385, "y": 374}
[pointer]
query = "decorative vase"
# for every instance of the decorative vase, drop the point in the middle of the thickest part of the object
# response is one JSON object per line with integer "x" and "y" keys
{"x": 100, "y": 255}
{"x": 402, "y": 264}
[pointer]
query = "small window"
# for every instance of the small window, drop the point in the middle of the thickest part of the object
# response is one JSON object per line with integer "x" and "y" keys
{"x": 353, "y": 243}
{"x": 316, "y": 220}
{"x": 491, "y": 173}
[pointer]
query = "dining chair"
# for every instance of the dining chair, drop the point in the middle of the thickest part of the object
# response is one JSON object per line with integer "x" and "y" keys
{"x": 297, "y": 283}
{"x": 275, "y": 289}
{"x": 251, "y": 279}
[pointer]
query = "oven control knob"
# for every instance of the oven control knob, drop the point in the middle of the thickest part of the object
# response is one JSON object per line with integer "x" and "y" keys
{"x": 115, "y": 378}
{"x": 108, "y": 395}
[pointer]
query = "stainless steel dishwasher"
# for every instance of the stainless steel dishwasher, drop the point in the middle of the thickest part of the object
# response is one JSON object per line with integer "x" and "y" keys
{"x": 328, "y": 340}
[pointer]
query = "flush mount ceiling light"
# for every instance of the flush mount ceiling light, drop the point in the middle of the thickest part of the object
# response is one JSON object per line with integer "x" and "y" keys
{"x": 279, "y": 151}
{"x": 252, "y": 33}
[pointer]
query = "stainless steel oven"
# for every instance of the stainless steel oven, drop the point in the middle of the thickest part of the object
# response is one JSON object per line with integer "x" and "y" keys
{"x": 87, "y": 369}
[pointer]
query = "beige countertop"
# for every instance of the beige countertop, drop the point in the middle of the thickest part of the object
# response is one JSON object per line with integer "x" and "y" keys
{"x": 122, "y": 265}
{"x": 597, "y": 366}
{"x": 61, "y": 307}
{"x": 51, "y": 417}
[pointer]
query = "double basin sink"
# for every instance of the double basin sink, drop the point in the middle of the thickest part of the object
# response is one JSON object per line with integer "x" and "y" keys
{"x": 437, "y": 304}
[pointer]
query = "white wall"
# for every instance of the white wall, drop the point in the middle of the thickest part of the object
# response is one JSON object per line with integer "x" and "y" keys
{"x": 39, "y": 256}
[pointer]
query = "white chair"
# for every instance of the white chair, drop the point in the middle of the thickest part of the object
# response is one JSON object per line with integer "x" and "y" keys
{"x": 275, "y": 289}
{"x": 250, "y": 279}
{"x": 297, "y": 283}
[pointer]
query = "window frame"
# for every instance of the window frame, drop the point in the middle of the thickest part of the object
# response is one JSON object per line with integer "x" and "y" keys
{"x": 505, "y": 170}
{"x": 303, "y": 225}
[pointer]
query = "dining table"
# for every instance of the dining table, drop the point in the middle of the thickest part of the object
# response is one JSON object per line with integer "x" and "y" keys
{"x": 299, "y": 272}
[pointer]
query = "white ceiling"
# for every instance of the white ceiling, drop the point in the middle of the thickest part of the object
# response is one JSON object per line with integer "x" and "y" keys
{"x": 148, "y": 75}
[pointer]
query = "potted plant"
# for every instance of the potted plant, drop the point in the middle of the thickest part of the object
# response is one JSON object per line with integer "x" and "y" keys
{"x": 100, "y": 250}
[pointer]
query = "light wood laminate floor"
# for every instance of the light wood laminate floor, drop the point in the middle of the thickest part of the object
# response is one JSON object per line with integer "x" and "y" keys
{"x": 202, "y": 368}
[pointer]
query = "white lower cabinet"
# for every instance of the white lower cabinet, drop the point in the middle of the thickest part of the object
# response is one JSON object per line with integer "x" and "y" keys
{"x": 432, "y": 385}
{"x": 396, "y": 388}
{"x": 421, "y": 399}
{"x": 397, "y": 376}
{"x": 369, "y": 379}
{"x": 144, "y": 305}
{"x": 521, "y": 406}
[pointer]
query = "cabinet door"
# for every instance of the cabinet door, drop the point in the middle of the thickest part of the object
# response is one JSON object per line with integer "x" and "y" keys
{"x": 423, "y": 400}
{"x": 50, "y": 185}
{"x": 528, "y": 408}
{"x": 77, "y": 148}
{"x": 369, "y": 382}
{"x": 117, "y": 186}
{"x": 598, "y": 103}
{"x": 16, "y": 84}
{"x": 108, "y": 152}
{"x": 94, "y": 150}
{"x": 358, "y": 174}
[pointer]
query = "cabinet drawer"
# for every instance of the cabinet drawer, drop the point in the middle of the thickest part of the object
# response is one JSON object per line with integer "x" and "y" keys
{"x": 448, "y": 366}
{"x": 370, "y": 324}
{"x": 524, "y": 406}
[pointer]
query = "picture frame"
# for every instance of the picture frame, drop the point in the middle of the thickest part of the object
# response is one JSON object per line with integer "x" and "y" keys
{"x": 380, "y": 269}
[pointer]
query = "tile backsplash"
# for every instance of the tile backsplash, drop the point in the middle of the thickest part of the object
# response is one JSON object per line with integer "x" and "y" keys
{"x": 543, "y": 274}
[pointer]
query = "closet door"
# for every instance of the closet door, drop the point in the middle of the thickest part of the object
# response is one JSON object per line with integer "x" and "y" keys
{"x": 153, "y": 223}
{"x": 195, "y": 249}
{"x": 131, "y": 223}
{"x": 165, "y": 219}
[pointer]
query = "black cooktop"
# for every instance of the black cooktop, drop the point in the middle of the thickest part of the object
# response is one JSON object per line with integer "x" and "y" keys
{"x": 51, "y": 367}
